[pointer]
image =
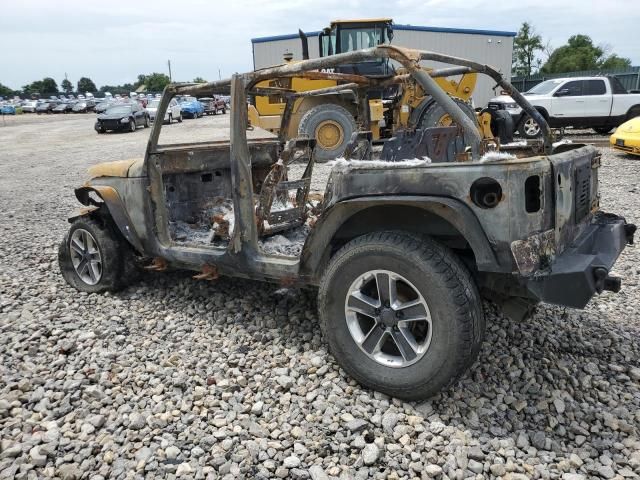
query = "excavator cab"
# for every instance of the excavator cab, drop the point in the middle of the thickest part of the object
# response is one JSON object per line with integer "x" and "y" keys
{"x": 349, "y": 35}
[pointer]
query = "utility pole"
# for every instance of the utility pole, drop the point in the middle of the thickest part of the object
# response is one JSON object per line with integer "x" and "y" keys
{"x": 169, "y": 64}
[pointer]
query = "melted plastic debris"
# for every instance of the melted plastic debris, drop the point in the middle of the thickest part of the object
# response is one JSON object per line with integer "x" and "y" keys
{"x": 287, "y": 243}
{"x": 342, "y": 164}
{"x": 215, "y": 225}
{"x": 280, "y": 204}
{"x": 520, "y": 143}
{"x": 496, "y": 157}
{"x": 561, "y": 142}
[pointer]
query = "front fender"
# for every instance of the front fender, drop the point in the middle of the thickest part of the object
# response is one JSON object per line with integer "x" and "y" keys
{"x": 116, "y": 209}
{"x": 456, "y": 213}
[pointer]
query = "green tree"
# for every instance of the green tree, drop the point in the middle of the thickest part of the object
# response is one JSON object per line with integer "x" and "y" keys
{"x": 85, "y": 84}
{"x": 614, "y": 62}
{"x": 199, "y": 80}
{"x": 525, "y": 46}
{"x": 142, "y": 80}
{"x": 49, "y": 86}
{"x": 46, "y": 86}
{"x": 581, "y": 54}
{"x": 33, "y": 87}
{"x": 121, "y": 89}
{"x": 67, "y": 86}
{"x": 156, "y": 82}
{"x": 5, "y": 91}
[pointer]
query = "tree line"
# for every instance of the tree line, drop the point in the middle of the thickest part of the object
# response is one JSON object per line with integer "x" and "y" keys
{"x": 531, "y": 55}
{"x": 153, "y": 82}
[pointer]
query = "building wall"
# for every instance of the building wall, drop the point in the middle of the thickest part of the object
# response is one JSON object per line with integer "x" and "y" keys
{"x": 269, "y": 53}
{"x": 493, "y": 48}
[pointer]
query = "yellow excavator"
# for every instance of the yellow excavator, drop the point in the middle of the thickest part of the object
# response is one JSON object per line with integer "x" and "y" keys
{"x": 332, "y": 118}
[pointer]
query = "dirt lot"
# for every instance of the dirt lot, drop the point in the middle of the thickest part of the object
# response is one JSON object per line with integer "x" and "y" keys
{"x": 178, "y": 377}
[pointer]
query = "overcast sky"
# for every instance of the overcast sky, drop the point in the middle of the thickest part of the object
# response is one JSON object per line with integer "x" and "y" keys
{"x": 112, "y": 42}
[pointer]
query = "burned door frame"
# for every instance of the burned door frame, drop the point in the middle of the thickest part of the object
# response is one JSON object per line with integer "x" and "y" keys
{"x": 243, "y": 255}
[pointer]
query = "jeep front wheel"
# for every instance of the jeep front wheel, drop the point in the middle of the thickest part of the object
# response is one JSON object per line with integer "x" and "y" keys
{"x": 92, "y": 258}
{"x": 401, "y": 314}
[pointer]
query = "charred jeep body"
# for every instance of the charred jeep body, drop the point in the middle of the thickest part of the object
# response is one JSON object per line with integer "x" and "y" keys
{"x": 400, "y": 247}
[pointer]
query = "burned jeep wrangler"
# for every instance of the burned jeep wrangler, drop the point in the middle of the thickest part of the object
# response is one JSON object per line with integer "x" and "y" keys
{"x": 400, "y": 246}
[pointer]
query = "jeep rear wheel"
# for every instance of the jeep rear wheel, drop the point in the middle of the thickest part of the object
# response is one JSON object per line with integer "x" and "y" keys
{"x": 401, "y": 314}
{"x": 92, "y": 258}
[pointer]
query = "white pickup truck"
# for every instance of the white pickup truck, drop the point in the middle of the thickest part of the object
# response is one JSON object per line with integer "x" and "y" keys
{"x": 601, "y": 103}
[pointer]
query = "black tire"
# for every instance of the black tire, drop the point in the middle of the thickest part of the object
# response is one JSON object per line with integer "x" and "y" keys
{"x": 451, "y": 296}
{"x": 146, "y": 122}
{"x": 224, "y": 111}
{"x": 602, "y": 130}
{"x": 101, "y": 130}
{"x": 115, "y": 255}
{"x": 180, "y": 118}
{"x": 170, "y": 119}
{"x": 132, "y": 125}
{"x": 526, "y": 128}
{"x": 343, "y": 122}
{"x": 633, "y": 113}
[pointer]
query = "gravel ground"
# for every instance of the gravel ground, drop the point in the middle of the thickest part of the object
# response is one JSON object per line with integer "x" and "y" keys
{"x": 192, "y": 379}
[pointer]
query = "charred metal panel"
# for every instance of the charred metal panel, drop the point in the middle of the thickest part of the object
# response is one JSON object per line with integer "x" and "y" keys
{"x": 565, "y": 167}
{"x": 116, "y": 208}
{"x": 534, "y": 253}
{"x": 431, "y": 143}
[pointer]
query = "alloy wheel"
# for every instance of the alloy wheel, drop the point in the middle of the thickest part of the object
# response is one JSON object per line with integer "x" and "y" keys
{"x": 388, "y": 318}
{"x": 85, "y": 256}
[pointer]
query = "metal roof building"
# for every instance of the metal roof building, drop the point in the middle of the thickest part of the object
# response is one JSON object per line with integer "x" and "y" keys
{"x": 486, "y": 46}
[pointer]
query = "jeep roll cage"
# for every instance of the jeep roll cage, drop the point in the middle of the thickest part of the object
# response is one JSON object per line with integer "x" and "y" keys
{"x": 241, "y": 85}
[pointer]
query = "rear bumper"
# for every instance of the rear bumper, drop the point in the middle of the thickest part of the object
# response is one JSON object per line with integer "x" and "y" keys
{"x": 582, "y": 270}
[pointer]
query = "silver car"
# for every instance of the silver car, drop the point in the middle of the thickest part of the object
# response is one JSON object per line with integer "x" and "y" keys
{"x": 173, "y": 111}
{"x": 30, "y": 106}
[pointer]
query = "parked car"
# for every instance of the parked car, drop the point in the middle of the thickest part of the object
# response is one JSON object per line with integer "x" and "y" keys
{"x": 400, "y": 247}
{"x": 213, "y": 105}
{"x": 122, "y": 117}
{"x": 174, "y": 111}
{"x": 29, "y": 106}
{"x": 64, "y": 107}
{"x": 84, "y": 106}
{"x": 10, "y": 109}
{"x": 104, "y": 105}
{"x": 45, "y": 107}
{"x": 191, "y": 107}
{"x": 626, "y": 138}
{"x": 601, "y": 103}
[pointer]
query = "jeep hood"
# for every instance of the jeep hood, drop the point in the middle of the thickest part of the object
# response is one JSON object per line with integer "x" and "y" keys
{"x": 120, "y": 168}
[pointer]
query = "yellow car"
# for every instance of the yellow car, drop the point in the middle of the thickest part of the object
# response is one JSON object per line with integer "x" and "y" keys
{"x": 626, "y": 138}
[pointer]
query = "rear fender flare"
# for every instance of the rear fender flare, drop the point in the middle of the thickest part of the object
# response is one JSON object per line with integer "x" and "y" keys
{"x": 116, "y": 208}
{"x": 461, "y": 217}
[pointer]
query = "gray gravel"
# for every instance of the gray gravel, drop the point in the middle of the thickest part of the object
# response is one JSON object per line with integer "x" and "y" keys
{"x": 231, "y": 379}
